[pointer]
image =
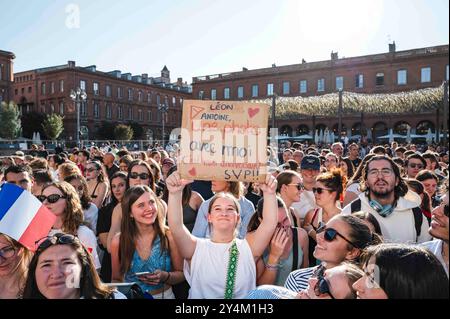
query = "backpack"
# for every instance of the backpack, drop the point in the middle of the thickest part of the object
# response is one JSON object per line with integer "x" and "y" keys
{"x": 355, "y": 206}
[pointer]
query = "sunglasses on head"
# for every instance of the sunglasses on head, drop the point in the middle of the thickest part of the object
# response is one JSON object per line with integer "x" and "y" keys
{"x": 330, "y": 234}
{"x": 299, "y": 186}
{"x": 320, "y": 190}
{"x": 57, "y": 239}
{"x": 135, "y": 175}
{"x": 53, "y": 198}
{"x": 414, "y": 165}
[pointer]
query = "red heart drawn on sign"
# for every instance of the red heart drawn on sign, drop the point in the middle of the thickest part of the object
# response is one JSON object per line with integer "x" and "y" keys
{"x": 192, "y": 171}
{"x": 252, "y": 112}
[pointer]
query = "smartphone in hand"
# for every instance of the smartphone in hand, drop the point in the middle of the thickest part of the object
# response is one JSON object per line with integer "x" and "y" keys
{"x": 143, "y": 273}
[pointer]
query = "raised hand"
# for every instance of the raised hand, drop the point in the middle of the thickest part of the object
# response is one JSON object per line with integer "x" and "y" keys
{"x": 278, "y": 242}
{"x": 269, "y": 186}
{"x": 175, "y": 184}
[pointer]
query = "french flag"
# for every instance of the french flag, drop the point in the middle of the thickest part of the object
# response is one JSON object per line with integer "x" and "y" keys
{"x": 23, "y": 217}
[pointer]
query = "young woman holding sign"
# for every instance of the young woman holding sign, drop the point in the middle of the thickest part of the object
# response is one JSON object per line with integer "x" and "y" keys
{"x": 221, "y": 266}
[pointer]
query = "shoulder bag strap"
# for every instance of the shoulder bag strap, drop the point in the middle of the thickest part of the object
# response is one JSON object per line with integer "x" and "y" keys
{"x": 295, "y": 248}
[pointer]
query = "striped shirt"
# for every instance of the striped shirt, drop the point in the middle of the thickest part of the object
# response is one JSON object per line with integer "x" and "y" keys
{"x": 271, "y": 292}
{"x": 298, "y": 279}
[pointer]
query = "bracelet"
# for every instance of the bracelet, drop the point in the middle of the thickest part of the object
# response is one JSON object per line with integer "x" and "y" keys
{"x": 272, "y": 266}
{"x": 168, "y": 276}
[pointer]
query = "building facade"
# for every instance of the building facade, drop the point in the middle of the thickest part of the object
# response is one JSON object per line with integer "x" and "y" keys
{"x": 113, "y": 97}
{"x": 6, "y": 75}
{"x": 390, "y": 72}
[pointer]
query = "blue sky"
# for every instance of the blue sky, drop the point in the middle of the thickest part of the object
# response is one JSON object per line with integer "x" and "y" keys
{"x": 201, "y": 37}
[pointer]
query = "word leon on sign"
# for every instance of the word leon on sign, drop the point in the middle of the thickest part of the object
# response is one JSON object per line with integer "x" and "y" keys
{"x": 223, "y": 140}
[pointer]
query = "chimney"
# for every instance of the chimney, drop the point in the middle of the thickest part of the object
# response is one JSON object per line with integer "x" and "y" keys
{"x": 274, "y": 65}
{"x": 244, "y": 69}
{"x": 334, "y": 55}
{"x": 180, "y": 81}
{"x": 71, "y": 64}
{"x": 392, "y": 47}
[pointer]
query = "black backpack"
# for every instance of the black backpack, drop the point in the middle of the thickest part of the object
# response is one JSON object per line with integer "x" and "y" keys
{"x": 355, "y": 206}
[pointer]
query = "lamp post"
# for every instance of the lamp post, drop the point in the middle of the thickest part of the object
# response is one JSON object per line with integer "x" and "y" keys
{"x": 163, "y": 108}
{"x": 78, "y": 96}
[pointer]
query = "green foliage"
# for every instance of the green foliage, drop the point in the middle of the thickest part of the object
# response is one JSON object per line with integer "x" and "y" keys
{"x": 10, "y": 126}
{"x": 32, "y": 122}
{"x": 138, "y": 131}
{"x": 53, "y": 126}
{"x": 416, "y": 101}
{"x": 123, "y": 132}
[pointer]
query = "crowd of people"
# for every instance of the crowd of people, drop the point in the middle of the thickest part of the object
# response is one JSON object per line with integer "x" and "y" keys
{"x": 329, "y": 222}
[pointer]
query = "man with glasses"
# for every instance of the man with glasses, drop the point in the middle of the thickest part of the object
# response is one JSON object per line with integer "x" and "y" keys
{"x": 414, "y": 164}
{"x": 386, "y": 196}
{"x": 440, "y": 231}
{"x": 20, "y": 176}
{"x": 309, "y": 169}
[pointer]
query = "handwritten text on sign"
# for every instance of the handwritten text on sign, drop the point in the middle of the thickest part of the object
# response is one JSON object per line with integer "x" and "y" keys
{"x": 223, "y": 140}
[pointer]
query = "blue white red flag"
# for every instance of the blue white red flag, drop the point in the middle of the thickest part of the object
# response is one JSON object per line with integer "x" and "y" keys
{"x": 23, "y": 217}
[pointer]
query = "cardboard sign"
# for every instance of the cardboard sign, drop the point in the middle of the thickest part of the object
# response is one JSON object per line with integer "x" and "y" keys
{"x": 223, "y": 141}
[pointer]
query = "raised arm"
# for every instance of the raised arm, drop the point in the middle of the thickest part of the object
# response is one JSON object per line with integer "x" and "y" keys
{"x": 185, "y": 241}
{"x": 263, "y": 234}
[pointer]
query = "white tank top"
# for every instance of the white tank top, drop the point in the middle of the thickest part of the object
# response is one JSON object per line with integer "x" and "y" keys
{"x": 208, "y": 270}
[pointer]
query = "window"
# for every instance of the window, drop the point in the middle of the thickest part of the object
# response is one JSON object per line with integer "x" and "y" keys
{"x": 108, "y": 90}
{"x": 201, "y": 94}
{"x": 226, "y": 93}
{"x": 149, "y": 98}
{"x": 42, "y": 88}
{"x": 52, "y": 108}
{"x": 96, "y": 110}
{"x": 52, "y": 87}
{"x": 29, "y": 89}
{"x": 339, "y": 83}
{"x": 149, "y": 115}
{"x": 61, "y": 108}
{"x": 166, "y": 101}
{"x": 139, "y": 96}
{"x": 130, "y": 94}
{"x": 320, "y": 85}
{"x": 446, "y": 73}
{"x": 359, "y": 81}
{"x": 119, "y": 112}
{"x": 269, "y": 89}
{"x": 1, "y": 66}
{"x": 240, "y": 92}
{"x": 16, "y": 91}
{"x": 379, "y": 79}
{"x": 181, "y": 101}
{"x": 425, "y": 75}
{"x": 401, "y": 77}
{"x": 140, "y": 115}
{"x": 286, "y": 88}
{"x": 174, "y": 101}
{"x": 303, "y": 86}
{"x": 83, "y": 85}
{"x": 108, "y": 111}
{"x": 119, "y": 92}
{"x": 83, "y": 109}
{"x": 255, "y": 89}
{"x": 158, "y": 100}
{"x": 130, "y": 113}
{"x": 61, "y": 86}
{"x": 22, "y": 90}
{"x": 213, "y": 94}
{"x": 95, "y": 88}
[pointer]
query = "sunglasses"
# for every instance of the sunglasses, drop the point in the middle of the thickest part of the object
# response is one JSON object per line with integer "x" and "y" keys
{"x": 323, "y": 287}
{"x": 320, "y": 190}
{"x": 299, "y": 186}
{"x": 330, "y": 234}
{"x": 414, "y": 165}
{"x": 135, "y": 175}
{"x": 90, "y": 170}
{"x": 57, "y": 239}
{"x": 53, "y": 198}
{"x": 7, "y": 252}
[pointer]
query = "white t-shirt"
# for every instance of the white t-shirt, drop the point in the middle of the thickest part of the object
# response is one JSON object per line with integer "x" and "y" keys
{"x": 91, "y": 216}
{"x": 307, "y": 202}
{"x": 87, "y": 238}
{"x": 208, "y": 270}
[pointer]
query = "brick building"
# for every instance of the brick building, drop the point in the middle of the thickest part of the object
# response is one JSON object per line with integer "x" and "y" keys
{"x": 114, "y": 97}
{"x": 6, "y": 74}
{"x": 390, "y": 72}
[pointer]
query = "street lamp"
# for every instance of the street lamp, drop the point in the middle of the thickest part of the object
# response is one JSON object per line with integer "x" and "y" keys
{"x": 163, "y": 108}
{"x": 78, "y": 96}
